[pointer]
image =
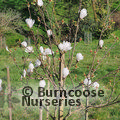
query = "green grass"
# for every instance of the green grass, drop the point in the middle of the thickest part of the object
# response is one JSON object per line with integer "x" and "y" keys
{"x": 110, "y": 63}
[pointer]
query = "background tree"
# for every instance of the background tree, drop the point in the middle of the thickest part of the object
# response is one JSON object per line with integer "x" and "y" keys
{"x": 10, "y": 22}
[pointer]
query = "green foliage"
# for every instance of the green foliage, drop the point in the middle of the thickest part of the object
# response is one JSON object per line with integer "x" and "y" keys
{"x": 14, "y": 4}
{"x": 89, "y": 23}
{"x": 114, "y": 5}
{"x": 13, "y": 38}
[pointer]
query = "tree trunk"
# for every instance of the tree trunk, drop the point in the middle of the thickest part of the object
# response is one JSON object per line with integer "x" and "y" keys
{"x": 40, "y": 113}
{"x": 86, "y": 111}
{"x": 9, "y": 94}
{"x": 87, "y": 103}
{"x": 49, "y": 62}
{"x": 48, "y": 98}
{"x": 61, "y": 85}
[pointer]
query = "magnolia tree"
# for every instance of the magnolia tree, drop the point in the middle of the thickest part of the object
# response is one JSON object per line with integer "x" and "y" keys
{"x": 52, "y": 68}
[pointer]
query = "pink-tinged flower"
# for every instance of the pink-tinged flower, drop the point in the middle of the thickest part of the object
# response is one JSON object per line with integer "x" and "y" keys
{"x": 65, "y": 46}
{"x": 42, "y": 83}
{"x": 49, "y": 32}
{"x": 24, "y": 74}
{"x": 31, "y": 67}
{"x": 79, "y": 57}
{"x": 95, "y": 85}
{"x": 29, "y": 49}
{"x": 65, "y": 72}
{"x": 41, "y": 49}
{"x": 24, "y": 44}
{"x": 83, "y": 13}
{"x": 101, "y": 42}
{"x": 37, "y": 63}
{"x": 47, "y": 51}
{"x": 40, "y": 3}
{"x": 87, "y": 81}
{"x": 30, "y": 22}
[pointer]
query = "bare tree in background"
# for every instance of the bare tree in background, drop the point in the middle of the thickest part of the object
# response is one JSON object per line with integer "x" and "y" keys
{"x": 9, "y": 22}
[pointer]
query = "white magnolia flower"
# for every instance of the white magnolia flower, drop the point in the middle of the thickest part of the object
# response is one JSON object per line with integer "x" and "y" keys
{"x": 24, "y": 44}
{"x": 79, "y": 57}
{"x": 31, "y": 67}
{"x": 37, "y": 63}
{"x": 40, "y": 3}
{"x": 48, "y": 51}
{"x": 65, "y": 46}
{"x": 101, "y": 42}
{"x": 30, "y": 22}
{"x": 45, "y": 52}
{"x": 87, "y": 81}
{"x": 83, "y": 13}
{"x": 60, "y": 46}
{"x": 42, "y": 83}
{"x": 49, "y": 32}
{"x": 95, "y": 85}
{"x": 41, "y": 49}
{"x": 24, "y": 73}
{"x": 7, "y": 49}
{"x": 65, "y": 72}
{"x": 29, "y": 49}
{"x": 0, "y": 82}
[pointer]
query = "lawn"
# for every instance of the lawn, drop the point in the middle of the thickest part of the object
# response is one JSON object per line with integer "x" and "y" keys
{"x": 110, "y": 63}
